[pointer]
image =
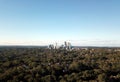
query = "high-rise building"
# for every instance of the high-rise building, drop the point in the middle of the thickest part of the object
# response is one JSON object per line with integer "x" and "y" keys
{"x": 56, "y": 46}
{"x": 69, "y": 45}
{"x": 65, "y": 44}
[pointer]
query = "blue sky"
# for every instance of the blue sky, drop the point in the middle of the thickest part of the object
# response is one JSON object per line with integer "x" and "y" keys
{"x": 40, "y": 22}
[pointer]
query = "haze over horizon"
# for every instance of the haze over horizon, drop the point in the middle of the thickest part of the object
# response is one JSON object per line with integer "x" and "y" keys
{"x": 42, "y": 22}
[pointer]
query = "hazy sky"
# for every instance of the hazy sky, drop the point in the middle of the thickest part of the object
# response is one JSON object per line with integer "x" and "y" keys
{"x": 82, "y": 22}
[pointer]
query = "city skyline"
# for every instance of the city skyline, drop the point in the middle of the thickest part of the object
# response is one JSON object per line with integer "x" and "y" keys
{"x": 81, "y": 22}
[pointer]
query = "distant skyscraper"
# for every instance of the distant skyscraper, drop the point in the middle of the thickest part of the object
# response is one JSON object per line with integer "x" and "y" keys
{"x": 56, "y": 46}
{"x": 69, "y": 45}
{"x": 65, "y": 44}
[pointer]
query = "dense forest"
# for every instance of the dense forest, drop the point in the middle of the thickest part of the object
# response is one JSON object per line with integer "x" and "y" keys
{"x": 59, "y": 65}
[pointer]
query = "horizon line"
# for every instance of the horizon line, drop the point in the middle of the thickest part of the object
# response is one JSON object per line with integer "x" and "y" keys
{"x": 47, "y": 45}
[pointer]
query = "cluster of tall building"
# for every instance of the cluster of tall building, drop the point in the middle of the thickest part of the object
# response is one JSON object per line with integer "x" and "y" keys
{"x": 52, "y": 46}
{"x": 66, "y": 45}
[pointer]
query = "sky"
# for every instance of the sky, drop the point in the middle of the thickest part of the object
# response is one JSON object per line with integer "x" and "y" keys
{"x": 42, "y": 22}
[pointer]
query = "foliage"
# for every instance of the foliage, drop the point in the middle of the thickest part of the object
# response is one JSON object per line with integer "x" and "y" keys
{"x": 58, "y": 65}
